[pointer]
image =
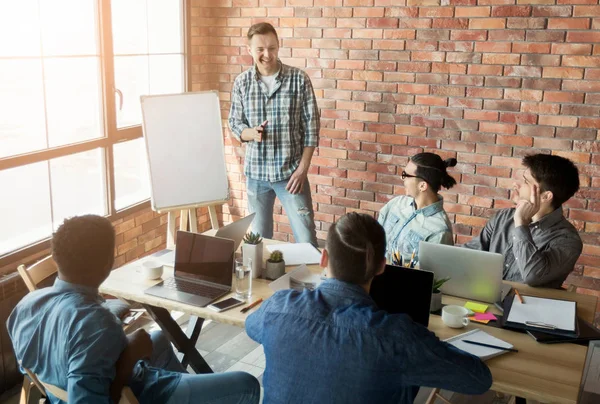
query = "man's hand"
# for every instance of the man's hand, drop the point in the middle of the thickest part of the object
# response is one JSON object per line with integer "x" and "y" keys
{"x": 296, "y": 182}
{"x": 526, "y": 209}
{"x": 139, "y": 346}
{"x": 254, "y": 134}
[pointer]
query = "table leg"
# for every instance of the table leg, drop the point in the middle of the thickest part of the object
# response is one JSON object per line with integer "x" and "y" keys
{"x": 182, "y": 342}
{"x": 193, "y": 332}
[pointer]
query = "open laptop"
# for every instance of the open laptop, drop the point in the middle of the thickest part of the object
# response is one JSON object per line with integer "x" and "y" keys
{"x": 473, "y": 274}
{"x": 233, "y": 231}
{"x": 203, "y": 268}
{"x": 404, "y": 290}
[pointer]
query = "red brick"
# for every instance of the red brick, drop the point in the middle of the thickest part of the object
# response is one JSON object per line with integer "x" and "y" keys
{"x": 484, "y": 92}
{"x": 468, "y": 35}
{"x": 523, "y": 118}
{"x": 472, "y": 11}
{"x": 512, "y": 162}
{"x": 573, "y": 133}
{"x": 553, "y": 144}
{"x": 494, "y": 171}
{"x": 559, "y": 96}
{"x": 487, "y": 23}
{"x": 563, "y": 72}
{"x": 583, "y": 61}
{"x": 525, "y": 23}
{"x": 465, "y": 103}
{"x": 432, "y": 78}
{"x": 531, "y": 47}
{"x": 583, "y": 37}
{"x": 581, "y": 85}
{"x": 427, "y": 122}
{"x": 511, "y": 11}
{"x": 572, "y": 49}
{"x": 568, "y": 23}
{"x": 382, "y": 23}
{"x": 485, "y": 70}
{"x": 481, "y": 115}
{"x": 418, "y": 23}
{"x": 557, "y": 120}
{"x": 540, "y": 60}
{"x": 539, "y": 108}
{"x": 456, "y": 91}
{"x": 585, "y": 122}
{"x": 453, "y": 46}
{"x": 501, "y": 59}
{"x": 476, "y": 81}
{"x": 525, "y": 95}
{"x": 502, "y": 105}
{"x": 507, "y": 35}
{"x": 523, "y": 71}
{"x": 497, "y": 127}
{"x": 551, "y": 11}
{"x": 451, "y": 23}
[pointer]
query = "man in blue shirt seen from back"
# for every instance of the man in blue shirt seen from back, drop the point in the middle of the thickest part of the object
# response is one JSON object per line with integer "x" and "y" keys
{"x": 64, "y": 335}
{"x": 333, "y": 345}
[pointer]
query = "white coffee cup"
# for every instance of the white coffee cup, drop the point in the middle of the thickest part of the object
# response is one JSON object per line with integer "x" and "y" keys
{"x": 455, "y": 316}
{"x": 152, "y": 269}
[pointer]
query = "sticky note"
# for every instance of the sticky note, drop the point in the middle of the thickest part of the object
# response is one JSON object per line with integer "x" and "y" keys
{"x": 485, "y": 316}
{"x": 479, "y": 320}
{"x": 476, "y": 307}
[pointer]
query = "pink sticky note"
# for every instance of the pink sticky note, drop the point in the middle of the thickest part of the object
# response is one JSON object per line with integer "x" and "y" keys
{"x": 485, "y": 316}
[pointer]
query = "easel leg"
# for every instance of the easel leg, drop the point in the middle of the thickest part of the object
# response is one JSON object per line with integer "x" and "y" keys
{"x": 193, "y": 221}
{"x": 171, "y": 230}
{"x": 212, "y": 212}
{"x": 183, "y": 220}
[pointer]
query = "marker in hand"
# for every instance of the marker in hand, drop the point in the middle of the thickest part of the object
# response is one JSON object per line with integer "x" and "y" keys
{"x": 260, "y": 128}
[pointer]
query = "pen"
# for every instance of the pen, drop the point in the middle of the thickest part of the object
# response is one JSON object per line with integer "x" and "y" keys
{"x": 411, "y": 263}
{"x": 519, "y": 296}
{"x": 256, "y": 303}
{"x": 490, "y": 346}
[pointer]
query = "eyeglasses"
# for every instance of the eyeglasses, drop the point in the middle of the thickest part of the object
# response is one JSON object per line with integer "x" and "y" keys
{"x": 406, "y": 175}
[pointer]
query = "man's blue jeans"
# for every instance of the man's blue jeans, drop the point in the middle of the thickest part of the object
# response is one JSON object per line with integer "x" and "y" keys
{"x": 216, "y": 388}
{"x": 298, "y": 207}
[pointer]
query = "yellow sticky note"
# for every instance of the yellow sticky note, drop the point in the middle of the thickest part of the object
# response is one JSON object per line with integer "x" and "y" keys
{"x": 476, "y": 307}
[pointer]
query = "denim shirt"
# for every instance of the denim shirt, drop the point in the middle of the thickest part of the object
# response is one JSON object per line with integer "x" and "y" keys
{"x": 64, "y": 336}
{"x": 332, "y": 345}
{"x": 406, "y": 226}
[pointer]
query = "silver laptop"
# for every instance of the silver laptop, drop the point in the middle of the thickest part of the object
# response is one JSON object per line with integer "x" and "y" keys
{"x": 203, "y": 270}
{"x": 236, "y": 230}
{"x": 233, "y": 231}
{"x": 473, "y": 274}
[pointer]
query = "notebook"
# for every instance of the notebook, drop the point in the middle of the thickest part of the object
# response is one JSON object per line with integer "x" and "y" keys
{"x": 478, "y": 335}
{"x": 543, "y": 313}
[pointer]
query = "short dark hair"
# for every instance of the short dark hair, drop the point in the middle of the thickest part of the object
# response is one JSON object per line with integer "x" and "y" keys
{"x": 555, "y": 174}
{"x": 262, "y": 28}
{"x": 83, "y": 243}
{"x": 356, "y": 248}
{"x": 432, "y": 169}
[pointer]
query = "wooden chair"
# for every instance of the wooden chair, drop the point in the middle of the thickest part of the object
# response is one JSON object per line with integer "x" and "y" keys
{"x": 435, "y": 395}
{"x": 127, "y": 396}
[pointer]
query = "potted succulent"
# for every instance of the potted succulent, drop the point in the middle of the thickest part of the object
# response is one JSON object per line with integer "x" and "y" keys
{"x": 252, "y": 250}
{"x": 275, "y": 265}
{"x": 436, "y": 295}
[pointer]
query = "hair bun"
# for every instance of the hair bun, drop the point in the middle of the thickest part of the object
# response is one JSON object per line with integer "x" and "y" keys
{"x": 451, "y": 162}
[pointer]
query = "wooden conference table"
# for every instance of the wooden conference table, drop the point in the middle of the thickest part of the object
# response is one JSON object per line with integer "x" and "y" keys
{"x": 546, "y": 373}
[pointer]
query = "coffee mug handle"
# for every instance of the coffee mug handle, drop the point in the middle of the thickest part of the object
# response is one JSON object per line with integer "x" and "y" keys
{"x": 465, "y": 321}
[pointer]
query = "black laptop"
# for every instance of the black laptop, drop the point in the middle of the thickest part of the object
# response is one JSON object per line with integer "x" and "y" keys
{"x": 404, "y": 290}
{"x": 203, "y": 270}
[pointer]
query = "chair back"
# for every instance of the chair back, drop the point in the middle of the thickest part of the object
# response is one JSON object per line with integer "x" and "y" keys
{"x": 127, "y": 396}
{"x": 37, "y": 272}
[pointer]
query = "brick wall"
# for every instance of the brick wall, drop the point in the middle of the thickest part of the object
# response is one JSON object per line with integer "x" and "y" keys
{"x": 485, "y": 81}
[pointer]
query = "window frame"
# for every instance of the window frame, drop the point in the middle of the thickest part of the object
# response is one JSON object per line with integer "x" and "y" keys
{"x": 112, "y": 135}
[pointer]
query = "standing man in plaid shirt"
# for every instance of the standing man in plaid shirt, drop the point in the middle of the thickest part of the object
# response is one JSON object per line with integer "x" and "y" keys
{"x": 274, "y": 111}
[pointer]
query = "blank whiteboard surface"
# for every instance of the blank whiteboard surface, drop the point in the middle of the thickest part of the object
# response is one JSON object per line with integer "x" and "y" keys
{"x": 184, "y": 142}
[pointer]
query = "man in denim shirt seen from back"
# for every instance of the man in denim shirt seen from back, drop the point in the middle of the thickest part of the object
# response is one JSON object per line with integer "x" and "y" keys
{"x": 333, "y": 345}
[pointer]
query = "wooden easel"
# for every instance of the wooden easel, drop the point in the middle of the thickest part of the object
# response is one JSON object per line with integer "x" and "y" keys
{"x": 188, "y": 220}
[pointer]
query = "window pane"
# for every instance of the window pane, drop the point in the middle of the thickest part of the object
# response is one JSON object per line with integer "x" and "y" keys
{"x": 23, "y": 125}
{"x": 19, "y": 19}
{"x": 130, "y": 27}
{"x": 165, "y": 27}
{"x": 131, "y": 77}
{"x": 74, "y": 102}
{"x": 166, "y": 74}
{"x": 24, "y": 207}
{"x": 78, "y": 185}
{"x": 132, "y": 183}
{"x": 69, "y": 27}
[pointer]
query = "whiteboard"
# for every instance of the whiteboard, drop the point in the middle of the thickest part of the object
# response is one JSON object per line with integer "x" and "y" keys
{"x": 186, "y": 155}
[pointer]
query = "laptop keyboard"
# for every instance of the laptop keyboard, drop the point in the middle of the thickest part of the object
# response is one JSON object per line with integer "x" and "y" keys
{"x": 192, "y": 288}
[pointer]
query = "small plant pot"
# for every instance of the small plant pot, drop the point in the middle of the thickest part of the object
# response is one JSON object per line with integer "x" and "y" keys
{"x": 436, "y": 302}
{"x": 274, "y": 270}
{"x": 254, "y": 252}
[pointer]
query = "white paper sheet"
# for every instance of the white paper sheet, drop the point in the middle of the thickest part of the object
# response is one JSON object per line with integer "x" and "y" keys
{"x": 558, "y": 313}
{"x": 480, "y": 351}
{"x": 301, "y": 274}
{"x": 297, "y": 253}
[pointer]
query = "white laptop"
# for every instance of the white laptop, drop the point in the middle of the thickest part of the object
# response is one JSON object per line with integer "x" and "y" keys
{"x": 233, "y": 231}
{"x": 473, "y": 274}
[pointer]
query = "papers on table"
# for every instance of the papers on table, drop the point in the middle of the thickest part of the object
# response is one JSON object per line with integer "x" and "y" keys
{"x": 544, "y": 313}
{"x": 299, "y": 278}
{"x": 477, "y": 350}
{"x": 297, "y": 253}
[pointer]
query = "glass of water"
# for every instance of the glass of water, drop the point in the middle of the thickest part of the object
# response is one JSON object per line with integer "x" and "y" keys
{"x": 243, "y": 279}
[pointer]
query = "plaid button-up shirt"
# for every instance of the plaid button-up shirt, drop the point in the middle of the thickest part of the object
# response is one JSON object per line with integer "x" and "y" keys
{"x": 293, "y": 116}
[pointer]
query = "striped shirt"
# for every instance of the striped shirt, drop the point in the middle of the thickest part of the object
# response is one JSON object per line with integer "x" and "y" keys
{"x": 293, "y": 115}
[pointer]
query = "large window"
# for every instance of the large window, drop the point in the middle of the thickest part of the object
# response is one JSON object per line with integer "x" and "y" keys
{"x": 71, "y": 76}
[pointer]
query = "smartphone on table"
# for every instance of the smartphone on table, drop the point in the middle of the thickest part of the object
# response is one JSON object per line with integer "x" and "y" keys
{"x": 226, "y": 304}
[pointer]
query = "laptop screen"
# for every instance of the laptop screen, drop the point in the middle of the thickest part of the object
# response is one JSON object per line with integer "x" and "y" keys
{"x": 204, "y": 258}
{"x": 404, "y": 290}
